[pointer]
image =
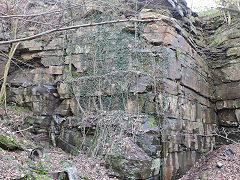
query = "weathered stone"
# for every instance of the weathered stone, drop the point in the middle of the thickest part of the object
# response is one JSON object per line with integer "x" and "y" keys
{"x": 64, "y": 108}
{"x": 73, "y": 137}
{"x": 158, "y": 27}
{"x": 170, "y": 104}
{"x": 67, "y": 147}
{"x": 161, "y": 38}
{"x": 159, "y": 91}
{"x": 196, "y": 82}
{"x": 228, "y": 91}
{"x": 237, "y": 113}
{"x": 55, "y": 70}
{"x": 227, "y": 117}
{"x": 148, "y": 15}
{"x": 136, "y": 165}
{"x": 178, "y": 163}
{"x": 228, "y": 104}
{"x": 171, "y": 87}
{"x": 48, "y": 61}
{"x": 188, "y": 109}
{"x": 183, "y": 45}
{"x": 30, "y": 55}
{"x": 40, "y": 124}
{"x": 5, "y": 48}
{"x": 32, "y": 45}
{"x": 63, "y": 91}
{"x": 2, "y": 67}
{"x": 55, "y": 44}
{"x": 30, "y": 77}
{"x": 235, "y": 51}
{"x": 206, "y": 114}
{"x": 113, "y": 83}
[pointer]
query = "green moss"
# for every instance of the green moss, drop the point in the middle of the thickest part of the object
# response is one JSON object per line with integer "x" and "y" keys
{"x": 40, "y": 177}
{"x": 179, "y": 55}
{"x": 85, "y": 178}
{"x": 75, "y": 74}
{"x": 203, "y": 176}
{"x": 66, "y": 69}
{"x": 74, "y": 152}
{"x": 10, "y": 143}
{"x": 77, "y": 141}
{"x": 152, "y": 122}
{"x": 38, "y": 40}
{"x": 31, "y": 121}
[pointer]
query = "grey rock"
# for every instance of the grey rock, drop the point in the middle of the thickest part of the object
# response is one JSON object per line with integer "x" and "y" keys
{"x": 219, "y": 164}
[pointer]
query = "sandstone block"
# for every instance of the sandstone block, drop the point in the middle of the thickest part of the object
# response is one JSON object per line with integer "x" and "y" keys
{"x": 227, "y": 117}
{"x": 234, "y": 51}
{"x": 228, "y": 91}
{"x": 55, "y": 69}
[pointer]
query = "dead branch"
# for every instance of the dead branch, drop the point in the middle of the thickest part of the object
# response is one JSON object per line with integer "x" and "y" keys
{"x": 229, "y": 9}
{"x": 76, "y": 27}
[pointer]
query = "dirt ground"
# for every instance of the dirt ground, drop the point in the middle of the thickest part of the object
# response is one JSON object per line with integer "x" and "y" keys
{"x": 206, "y": 168}
{"x": 17, "y": 164}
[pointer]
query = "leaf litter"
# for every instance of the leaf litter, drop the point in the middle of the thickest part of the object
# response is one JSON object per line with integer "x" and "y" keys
{"x": 207, "y": 167}
{"x": 17, "y": 164}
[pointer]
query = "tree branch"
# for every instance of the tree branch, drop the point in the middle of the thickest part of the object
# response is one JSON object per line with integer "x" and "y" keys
{"x": 229, "y": 9}
{"x": 76, "y": 27}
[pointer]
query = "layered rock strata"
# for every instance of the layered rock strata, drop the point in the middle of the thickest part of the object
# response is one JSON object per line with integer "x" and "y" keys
{"x": 140, "y": 94}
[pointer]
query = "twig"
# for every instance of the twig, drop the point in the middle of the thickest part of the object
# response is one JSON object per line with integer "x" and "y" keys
{"x": 21, "y": 130}
{"x": 226, "y": 138}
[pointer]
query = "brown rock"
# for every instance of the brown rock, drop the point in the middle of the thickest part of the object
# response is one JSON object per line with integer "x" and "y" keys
{"x": 227, "y": 117}
{"x": 228, "y": 91}
{"x": 55, "y": 69}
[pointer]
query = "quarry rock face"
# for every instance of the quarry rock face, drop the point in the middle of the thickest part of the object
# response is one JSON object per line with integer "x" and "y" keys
{"x": 146, "y": 97}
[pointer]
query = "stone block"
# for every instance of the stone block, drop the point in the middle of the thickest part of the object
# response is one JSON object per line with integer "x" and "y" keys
{"x": 134, "y": 164}
{"x": 188, "y": 109}
{"x": 228, "y": 104}
{"x": 64, "y": 108}
{"x": 160, "y": 28}
{"x": 2, "y": 67}
{"x": 32, "y": 77}
{"x": 227, "y": 117}
{"x": 32, "y": 45}
{"x": 169, "y": 105}
{"x": 228, "y": 91}
{"x": 65, "y": 146}
{"x": 206, "y": 114}
{"x": 55, "y": 70}
{"x": 64, "y": 91}
{"x": 148, "y": 15}
{"x": 234, "y": 51}
{"x": 183, "y": 44}
{"x": 161, "y": 38}
{"x": 5, "y": 47}
{"x": 237, "y": 113}
{"x": 195, "y": 81}
{"x": 170, "y": 87}
{"x": 56, "y": 43}
{"x": 52, "y": 60}
{"x": 178, "y": 163}
{"x": 112, "y": 83}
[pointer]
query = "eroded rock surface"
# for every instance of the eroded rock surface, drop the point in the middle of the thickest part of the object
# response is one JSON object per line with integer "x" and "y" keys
{"x": 144, "y": 97}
